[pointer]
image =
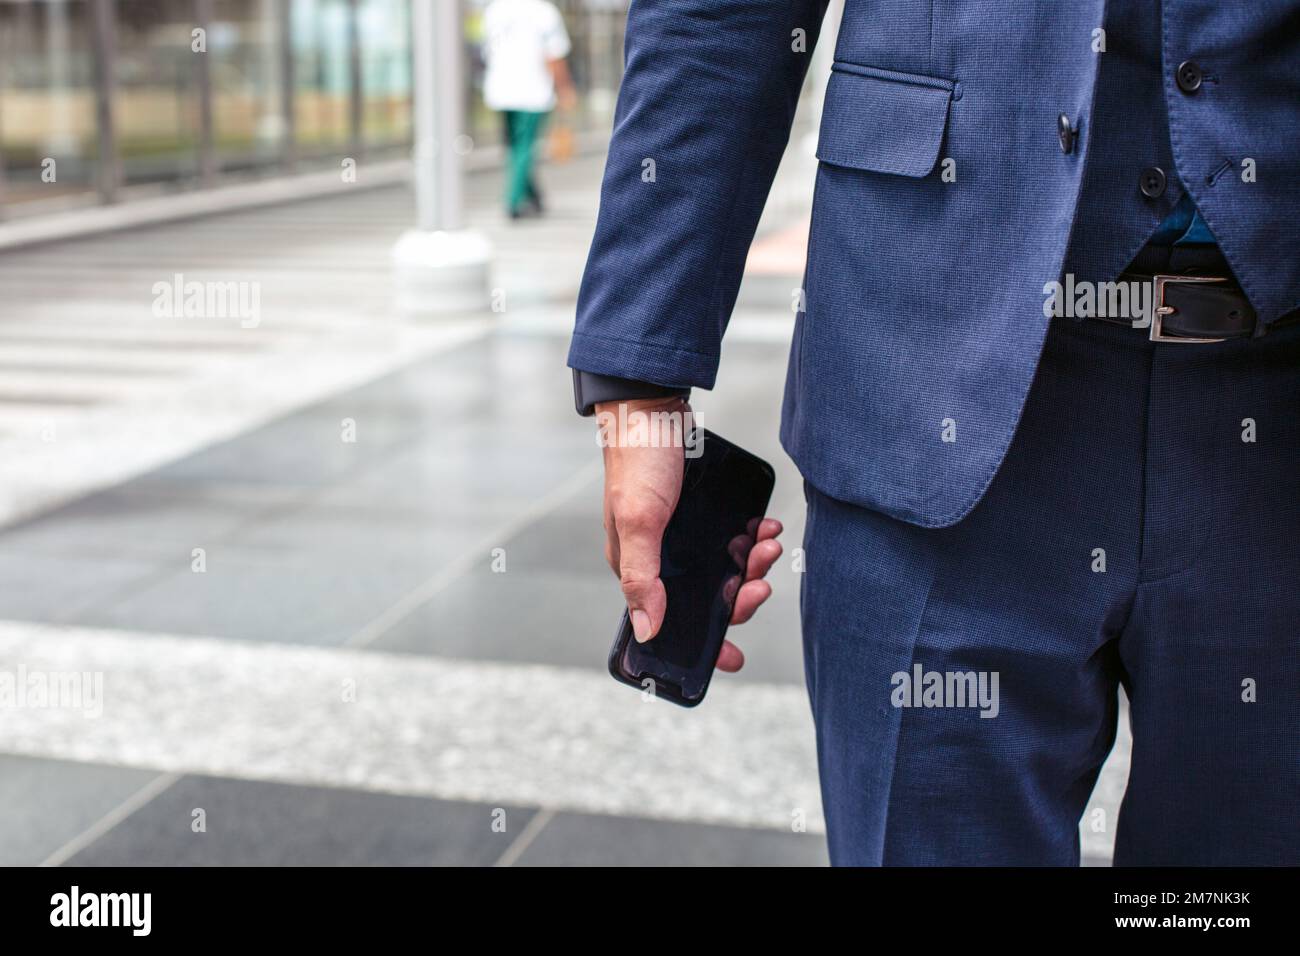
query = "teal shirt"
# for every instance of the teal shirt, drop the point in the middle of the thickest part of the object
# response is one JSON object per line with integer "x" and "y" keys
{"x": 1183, "y": 227}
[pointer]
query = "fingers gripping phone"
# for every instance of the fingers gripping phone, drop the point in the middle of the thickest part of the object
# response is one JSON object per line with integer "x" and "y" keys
{"x": 725, "y": 493}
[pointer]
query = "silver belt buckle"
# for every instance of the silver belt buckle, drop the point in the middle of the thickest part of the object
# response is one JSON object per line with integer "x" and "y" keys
{"x": 1159, "y": 310}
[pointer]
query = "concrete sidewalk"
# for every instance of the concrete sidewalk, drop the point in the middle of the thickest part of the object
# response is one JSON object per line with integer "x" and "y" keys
{"x": 302, "y": 639}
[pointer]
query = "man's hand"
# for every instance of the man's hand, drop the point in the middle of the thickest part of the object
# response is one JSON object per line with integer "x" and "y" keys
{"x": 643, "y": 480}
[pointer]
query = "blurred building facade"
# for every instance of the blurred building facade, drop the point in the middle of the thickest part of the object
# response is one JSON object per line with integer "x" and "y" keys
{"x": 103, "y": 101}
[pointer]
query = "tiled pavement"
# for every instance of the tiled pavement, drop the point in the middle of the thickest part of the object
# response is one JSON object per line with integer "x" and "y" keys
{"x": 316, "y": 549}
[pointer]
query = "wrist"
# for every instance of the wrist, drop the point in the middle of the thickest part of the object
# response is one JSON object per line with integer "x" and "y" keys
{"x": 644, "y": 422}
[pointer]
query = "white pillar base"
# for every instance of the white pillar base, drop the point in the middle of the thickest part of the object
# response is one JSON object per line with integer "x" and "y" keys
{"x": 436, "y": 273}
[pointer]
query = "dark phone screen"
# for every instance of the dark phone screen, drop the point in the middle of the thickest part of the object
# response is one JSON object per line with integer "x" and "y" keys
{"x": 725, "y": 493}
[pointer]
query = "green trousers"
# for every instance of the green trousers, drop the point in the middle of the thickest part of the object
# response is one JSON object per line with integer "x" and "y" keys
{"x": 522, "y": 132}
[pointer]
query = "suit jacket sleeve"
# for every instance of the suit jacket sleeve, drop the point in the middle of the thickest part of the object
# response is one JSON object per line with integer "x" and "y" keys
{"x": 702, "y": 119}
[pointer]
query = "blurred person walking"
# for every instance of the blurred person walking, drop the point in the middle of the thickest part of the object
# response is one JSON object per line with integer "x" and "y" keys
{"x": 525, "y": 44}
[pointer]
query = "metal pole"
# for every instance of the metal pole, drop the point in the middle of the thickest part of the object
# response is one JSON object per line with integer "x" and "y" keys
{"x": 439, "y": 113}
{"x": 60, "y": 141}
{"x": 102, "y": 34}
{"x": 287, "y": 83}
{"x": 2, "y": 164}
{"x": 448, "y": 112}
{"x": 288, "y": 79}
{"x": 203, "y": 94}
{"x": 442, "y": 267}
{"x": 424, "y": 96}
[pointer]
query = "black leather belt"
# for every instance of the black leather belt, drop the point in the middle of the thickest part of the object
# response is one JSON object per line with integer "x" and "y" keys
{"x": 1189, "y": 297}
{"x": 1193, "y": 309}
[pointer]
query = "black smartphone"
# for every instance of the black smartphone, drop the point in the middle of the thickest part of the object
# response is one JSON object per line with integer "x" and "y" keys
{"x": 725, "y": 493}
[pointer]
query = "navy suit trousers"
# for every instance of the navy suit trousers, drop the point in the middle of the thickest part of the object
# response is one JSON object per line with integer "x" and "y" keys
{"x": 1144, "y": 530}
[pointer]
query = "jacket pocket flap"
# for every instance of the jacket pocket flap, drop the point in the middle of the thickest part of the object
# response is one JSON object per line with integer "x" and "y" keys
{"x": 883, "y": 121}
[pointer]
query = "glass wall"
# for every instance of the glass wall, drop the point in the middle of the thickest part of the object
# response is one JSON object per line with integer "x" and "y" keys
{"x": 247, "y": 74}
{"x": 107, "y": 100}
{"x": 322, "y": 75}
{"x": 385, "y": 30}
{"x": 155, "y": 98}
{"x": 48, "y": 141}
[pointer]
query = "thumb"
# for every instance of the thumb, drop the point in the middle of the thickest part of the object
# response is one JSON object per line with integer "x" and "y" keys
{"x": 638, "y": 572}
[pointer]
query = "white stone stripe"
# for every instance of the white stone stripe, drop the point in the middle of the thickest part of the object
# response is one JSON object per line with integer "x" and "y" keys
{"x": 114, "y": 442}
{"x": 505, "y": 734}
{"x": 123, "y": 361}
{"x": 78, "y": 385}
{"x": 142, "y": 333}
{"x": 30, "y": 419}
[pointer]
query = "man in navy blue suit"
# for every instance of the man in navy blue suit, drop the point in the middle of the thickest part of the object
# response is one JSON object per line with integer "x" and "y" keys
{"x": 1044, "y": 393}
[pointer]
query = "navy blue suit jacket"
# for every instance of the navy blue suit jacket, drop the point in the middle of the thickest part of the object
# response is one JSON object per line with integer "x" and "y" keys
{"x": 924, "y": 297}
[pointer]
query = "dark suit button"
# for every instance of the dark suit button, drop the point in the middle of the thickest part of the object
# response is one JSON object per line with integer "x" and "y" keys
{"x": 1152, "y": 182}
{"x": 1064, "y": 133}
{"x": 1188, "y": 76}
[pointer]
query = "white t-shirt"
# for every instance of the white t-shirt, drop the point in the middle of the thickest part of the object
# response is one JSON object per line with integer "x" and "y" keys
{"x": 519, "y": 37}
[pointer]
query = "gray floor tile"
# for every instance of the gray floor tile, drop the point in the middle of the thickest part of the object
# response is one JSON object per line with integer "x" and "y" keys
{"x": 135, "y": 521}
{"x": 573, "y": 839}
{"x": 250, "y": 823}
{"x": 518, "y": 380}
{"x": 562, "y": 543}
{"x": 522, "y": 616}
{"x": 492, "y": 481}
{"x": 47, "y": 587}
{"x": 306, "y": 449}
{"x": 292, "y": 596}
{"x": 378, "y": 537}
{"x": 586, "y": 501}
{"x": 50, "y": 802}
{"x": 569, "y": 620}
